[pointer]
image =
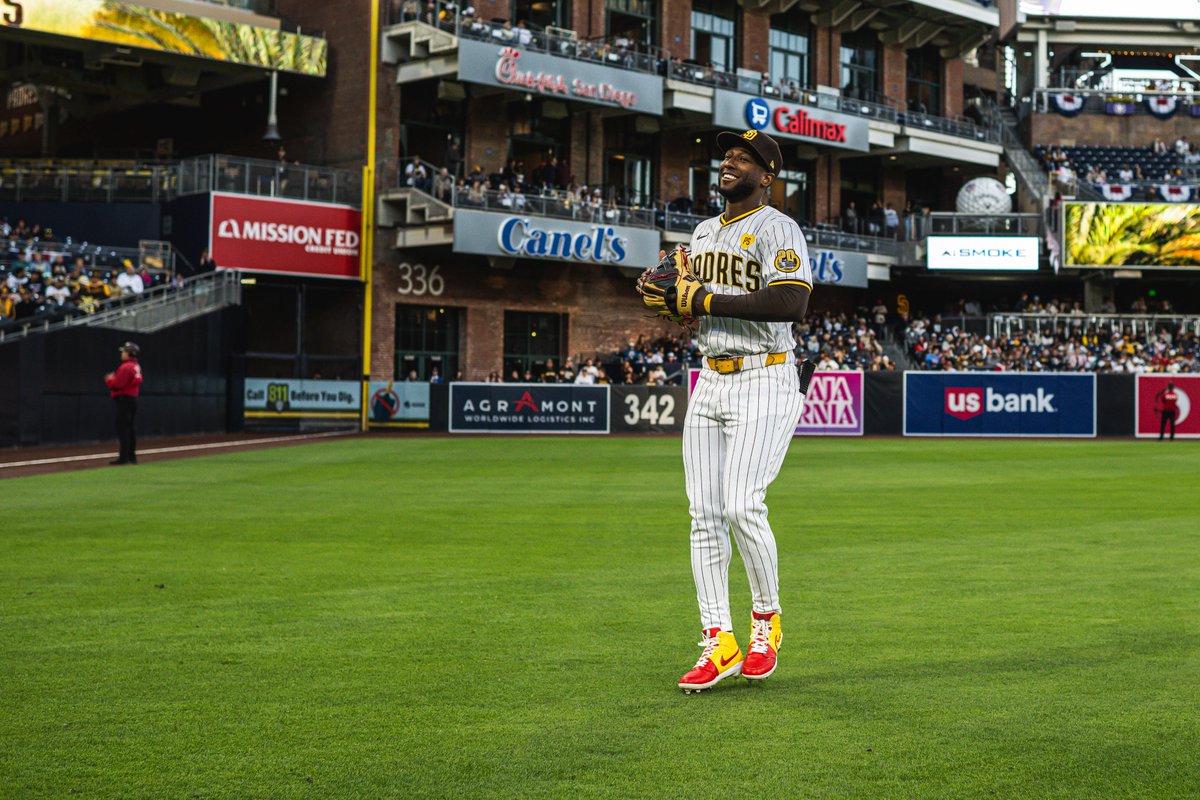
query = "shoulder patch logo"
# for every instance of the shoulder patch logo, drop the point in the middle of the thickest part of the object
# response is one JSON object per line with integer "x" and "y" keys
{"x": 787, "y": 261}
{"x": 747, "y": 241}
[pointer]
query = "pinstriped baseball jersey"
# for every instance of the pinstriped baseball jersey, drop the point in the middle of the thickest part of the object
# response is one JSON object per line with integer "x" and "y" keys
{"x": 760, "y": 248}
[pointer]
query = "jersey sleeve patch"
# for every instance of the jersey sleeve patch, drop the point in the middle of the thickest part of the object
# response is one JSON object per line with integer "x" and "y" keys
{"x": 787, "y": 261}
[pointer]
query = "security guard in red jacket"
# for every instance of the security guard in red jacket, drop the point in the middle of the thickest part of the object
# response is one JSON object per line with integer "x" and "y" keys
{"x": 123, "y": 385}
{"x": 1168, "y": 400}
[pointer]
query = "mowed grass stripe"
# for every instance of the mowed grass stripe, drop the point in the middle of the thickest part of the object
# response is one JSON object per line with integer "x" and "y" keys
{"x": 506, "y": 617}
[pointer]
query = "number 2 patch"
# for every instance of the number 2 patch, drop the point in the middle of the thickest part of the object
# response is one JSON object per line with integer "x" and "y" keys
{"x": 787, "y": 261}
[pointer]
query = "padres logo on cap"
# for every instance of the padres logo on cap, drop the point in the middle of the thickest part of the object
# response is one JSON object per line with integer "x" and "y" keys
{"x": 749, "y": 135}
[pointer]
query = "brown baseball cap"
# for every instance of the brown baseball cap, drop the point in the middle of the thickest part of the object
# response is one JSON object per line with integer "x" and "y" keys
{"x": 763, "y": 146}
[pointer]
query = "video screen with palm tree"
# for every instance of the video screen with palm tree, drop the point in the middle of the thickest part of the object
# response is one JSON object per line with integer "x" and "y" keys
{"x": 1163, "y": 235}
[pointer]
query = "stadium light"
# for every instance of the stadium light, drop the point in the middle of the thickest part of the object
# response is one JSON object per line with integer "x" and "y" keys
{"x": 272, "y": 134}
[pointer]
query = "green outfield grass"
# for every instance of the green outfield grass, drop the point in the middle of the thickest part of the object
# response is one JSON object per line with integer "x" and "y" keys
{"x": 507, "y": 617}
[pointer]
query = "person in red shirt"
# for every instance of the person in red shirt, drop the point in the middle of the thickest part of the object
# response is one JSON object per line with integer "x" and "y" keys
{"x": 123, "y": 385}
{"x": 1168, "y": 402}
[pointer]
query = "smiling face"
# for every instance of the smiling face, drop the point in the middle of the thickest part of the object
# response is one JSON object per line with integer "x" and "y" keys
{"x": 741, "y": 175}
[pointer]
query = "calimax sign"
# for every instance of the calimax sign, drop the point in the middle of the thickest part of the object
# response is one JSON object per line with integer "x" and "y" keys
{"x": 786, "y": 120}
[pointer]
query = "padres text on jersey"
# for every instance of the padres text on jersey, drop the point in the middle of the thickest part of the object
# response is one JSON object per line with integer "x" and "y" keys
{"x": 760, "y": 248}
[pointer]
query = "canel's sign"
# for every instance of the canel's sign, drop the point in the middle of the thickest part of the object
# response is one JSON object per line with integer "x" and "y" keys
{"x": 264, "y": 234}
{"x": 787, "y": 120}
{"x": 837, "y": 268}
{"x": 521, "y": 236}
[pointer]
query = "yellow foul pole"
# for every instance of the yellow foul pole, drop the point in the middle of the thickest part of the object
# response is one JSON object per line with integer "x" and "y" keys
{"x": 367, "y": 250}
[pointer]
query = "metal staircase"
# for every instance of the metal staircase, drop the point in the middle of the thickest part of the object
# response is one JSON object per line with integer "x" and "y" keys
{"x": 152, "y": 311}
{"x": 1021, "y": 160}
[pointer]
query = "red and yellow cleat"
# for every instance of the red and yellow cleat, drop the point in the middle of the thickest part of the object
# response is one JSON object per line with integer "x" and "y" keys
{"x": 765, "y": 637}
{"x": 721, "y": 658}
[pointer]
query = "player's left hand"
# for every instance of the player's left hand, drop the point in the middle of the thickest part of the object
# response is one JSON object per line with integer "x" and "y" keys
{"x": 671, "y": 290}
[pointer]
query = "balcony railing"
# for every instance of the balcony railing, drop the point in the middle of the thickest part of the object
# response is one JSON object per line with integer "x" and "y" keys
{"x": 1004, "y": 324}
{"x": 222, "y": 173}
{"x": 946, "y": 224}
{"x": 63, "y": 183}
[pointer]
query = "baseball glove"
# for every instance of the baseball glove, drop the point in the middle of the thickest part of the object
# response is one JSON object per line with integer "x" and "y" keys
{"x": 671, "y": 290}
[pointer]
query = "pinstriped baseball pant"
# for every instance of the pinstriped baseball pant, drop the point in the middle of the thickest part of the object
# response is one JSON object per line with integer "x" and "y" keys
{"x": 735, "y": 436}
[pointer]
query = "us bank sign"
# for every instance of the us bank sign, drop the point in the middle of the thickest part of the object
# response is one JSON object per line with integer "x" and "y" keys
{"x": 787, "y": 120}
{"x": 520, "y": 236}
{"x": 525, "y": 70}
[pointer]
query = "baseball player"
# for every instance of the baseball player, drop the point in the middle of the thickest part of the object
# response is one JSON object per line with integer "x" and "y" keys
{"x": 747, "y": 279}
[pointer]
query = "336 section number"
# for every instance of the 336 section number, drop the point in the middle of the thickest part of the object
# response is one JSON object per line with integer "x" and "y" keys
{"x": 416, "y": 279}
{"x": 657, "y": 410}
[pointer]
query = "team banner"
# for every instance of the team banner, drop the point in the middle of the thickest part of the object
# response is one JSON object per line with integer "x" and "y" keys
{"x": 496, "y": 64}
{"x": 173, "y": 32}
{"x": 838, "y": 268}
{"x": 293, "y": 237}
{"x": 397, "y": 403}
{"x": 999, "y": 404}
{"x": 1144, "y": 235}
{"x": 1148, "y": 405}
{"x": 833, "y": 405}
{"x": 281, "y": 398}
{"x": 648, "y": 409}
{"x": 788, "y": 120}
{"x": 528, "y": 408}
{"x": 519, "y": 236}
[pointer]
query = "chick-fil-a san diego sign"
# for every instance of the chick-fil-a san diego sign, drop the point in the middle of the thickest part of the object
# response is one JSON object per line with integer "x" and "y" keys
{"x": 584, "y": 80}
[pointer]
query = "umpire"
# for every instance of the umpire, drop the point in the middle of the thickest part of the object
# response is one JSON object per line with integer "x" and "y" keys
{"x": 123, "y": 385}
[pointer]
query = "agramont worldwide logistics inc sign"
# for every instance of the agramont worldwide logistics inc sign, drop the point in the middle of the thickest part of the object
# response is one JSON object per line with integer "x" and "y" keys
{"x": 266, "y": 234}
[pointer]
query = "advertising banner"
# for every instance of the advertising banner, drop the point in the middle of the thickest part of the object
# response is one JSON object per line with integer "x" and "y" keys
{"x": 127, "y": 25}
{"x": 1150, "y": 235}
{"x": 788, "y": 120}
{"x": 839, "y": 268}
{"x": 282, "y": 398}
{"x": 293, "y": 237}
{"x": 528, "y": 408}
{"x": 833, "y": 405}
{"x": 999, "y": 404}
{"x": 1148, "y": 405}
{"x": 391, "y": 403}
{"x": 517, "y": 236}
{"x": 982, "y": 253}
{"x": 524, "y": 70}
{"x": 648, "y": 409}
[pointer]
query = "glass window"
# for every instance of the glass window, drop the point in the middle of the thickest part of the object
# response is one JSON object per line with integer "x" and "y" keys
{"x": 789, "y": 41}
{"x": 925, "y": 80}
{"x": 635, "y": 20}
{"x": 860, "y": 65}
{"x": 540, "y": 13}
{"x": 426, "y": 339}
{"x": 532, "y": 339}
{"x": 713, "y": 37}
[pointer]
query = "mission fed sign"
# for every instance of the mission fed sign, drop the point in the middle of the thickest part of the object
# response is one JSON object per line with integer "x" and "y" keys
{"x": 787, "y": 120}
{"x": 264, "y": 234}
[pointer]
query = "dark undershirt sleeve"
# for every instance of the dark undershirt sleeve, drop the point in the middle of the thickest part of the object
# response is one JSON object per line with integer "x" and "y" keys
{"x": 782, "y": 303}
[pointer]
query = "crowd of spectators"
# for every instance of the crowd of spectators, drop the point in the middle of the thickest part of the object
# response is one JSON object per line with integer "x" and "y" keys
{"x": 1075, "y": 342}
{"x": 1123, "y": 173}
{"x": 41, "y": 276}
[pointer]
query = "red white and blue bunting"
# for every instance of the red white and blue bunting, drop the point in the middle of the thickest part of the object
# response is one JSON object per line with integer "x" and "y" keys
{"x": 1162, "y": 107}
{"x": 1175, "y": 193}
{"x": 1069, "y": 105}
{"x": 1116, "y": 191}
{"x": 1119, "y": 108}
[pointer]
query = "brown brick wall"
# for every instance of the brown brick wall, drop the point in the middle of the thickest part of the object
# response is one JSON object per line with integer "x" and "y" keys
{"x": 756, "y": 39}
{"x": 827, "y": 70}
{"x": 326, "y": 117}
{"x": 602, "y": 309}
{"x": 1139, "y": 130}
{"x": 895, "y": 74}
{"x": 952, "y": 87}
{"x": 675, "y": 35}
{"x": 487, "y": 133}
{"x": 673, "y": 164}
{"x": 828, "y": 191}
